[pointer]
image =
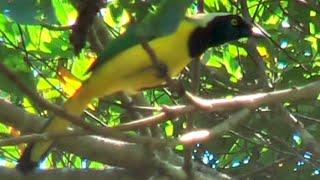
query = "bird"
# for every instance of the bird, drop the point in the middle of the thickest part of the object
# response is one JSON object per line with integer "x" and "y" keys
{"x": 128, "y": 68}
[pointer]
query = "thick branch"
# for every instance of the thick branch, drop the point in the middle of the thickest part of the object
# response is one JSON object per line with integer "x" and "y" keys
{"x": 63, "y": 174}
{"x": 98, "y": 149}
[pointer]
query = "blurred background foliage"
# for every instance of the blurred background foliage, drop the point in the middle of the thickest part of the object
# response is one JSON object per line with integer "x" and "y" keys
{"x": 34, "y": 43}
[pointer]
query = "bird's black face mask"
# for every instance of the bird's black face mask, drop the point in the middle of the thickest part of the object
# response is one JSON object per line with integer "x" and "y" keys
{"x": 219, "y": 30}
{"x": 229, "y": 28}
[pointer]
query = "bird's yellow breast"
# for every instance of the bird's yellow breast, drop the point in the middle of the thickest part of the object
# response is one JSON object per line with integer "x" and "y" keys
{"x": 132, "y": 69}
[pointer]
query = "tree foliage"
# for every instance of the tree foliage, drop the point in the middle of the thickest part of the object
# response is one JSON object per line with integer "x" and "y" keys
{"x": 277, "y": 140}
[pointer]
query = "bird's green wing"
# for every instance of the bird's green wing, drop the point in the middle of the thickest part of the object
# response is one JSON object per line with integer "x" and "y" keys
{"x": 116, "y": 46}
{"x": 164, "y": 22}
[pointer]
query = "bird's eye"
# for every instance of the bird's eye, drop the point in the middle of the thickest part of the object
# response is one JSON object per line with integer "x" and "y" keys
{"x": 234, "y": 22}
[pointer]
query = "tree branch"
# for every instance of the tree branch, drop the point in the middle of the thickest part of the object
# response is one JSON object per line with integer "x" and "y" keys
{"x": 66, "y": 174}
{"x": 98, "y": 149}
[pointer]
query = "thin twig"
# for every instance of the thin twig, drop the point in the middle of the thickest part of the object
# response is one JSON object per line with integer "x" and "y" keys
{"x": 56, "y": 28}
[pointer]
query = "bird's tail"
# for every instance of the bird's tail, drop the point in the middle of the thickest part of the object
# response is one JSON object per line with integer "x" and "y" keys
{"x": 35, "y": 152}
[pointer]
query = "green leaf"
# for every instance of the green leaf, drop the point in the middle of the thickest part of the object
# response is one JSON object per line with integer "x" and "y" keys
{"x": 115, "y": 112}
{"x": 28, "y": 12}
{"x": 232, "y": 66}
{"x": 14, "y": 61}
{"x": 59, "y": 47}
{"x": 218, "y": 5}
{"x": 267, "y": 156}
{"x": 9, "y": 30}
{"x": 233, "y": 153}
{"x": 4, "y": 129}
{"x": 76, "y": 161}
{"x": 179, "y": 147}
{"x": 66, "y": 14}
{"x": 45, "y": 86}
{"x": 96, "y": 165}
{"x": 169, "y": 128}
{"x": 166, "y": 20}
{"x": 214, "y": 61}
{"x": 10, "y": 151}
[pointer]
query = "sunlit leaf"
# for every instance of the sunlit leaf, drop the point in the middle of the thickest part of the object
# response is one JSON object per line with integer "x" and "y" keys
{"x": 263, "y": 51}
{"x": 48, "y": 87}
{"x": 65, "y": 12}
{"x": 169, "y": 128}
{"x": 96, "y": 165}
{"x": 28, "y": 106}
{"x": 179, "y": 148}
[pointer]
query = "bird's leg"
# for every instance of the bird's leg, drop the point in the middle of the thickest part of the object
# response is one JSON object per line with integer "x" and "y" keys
{"x": 162, "y": 70}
